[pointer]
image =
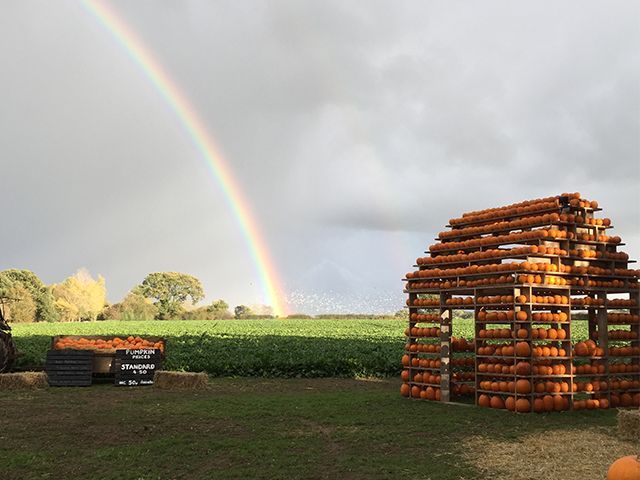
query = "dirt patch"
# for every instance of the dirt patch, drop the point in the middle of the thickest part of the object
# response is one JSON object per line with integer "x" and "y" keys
{"x": 586, "y": 453}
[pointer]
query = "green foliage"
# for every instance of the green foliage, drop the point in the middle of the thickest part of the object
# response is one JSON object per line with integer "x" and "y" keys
{"x": 217, "y": 310}
{"x": 169, "y": 290}
{"x": 273, "y": 347}
{"x": 220, "y": 307}
{"x": 80, "y": 297}
{"x": 463, "y": 314}
{"x": 242, "y": 311}
{"x": 23, "y": 308}
{"x": 40, "y": 293}
{"x": 133, "y": 307}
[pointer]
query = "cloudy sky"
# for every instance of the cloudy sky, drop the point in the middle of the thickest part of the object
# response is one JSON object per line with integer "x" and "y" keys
{"x": 355, "y": 130}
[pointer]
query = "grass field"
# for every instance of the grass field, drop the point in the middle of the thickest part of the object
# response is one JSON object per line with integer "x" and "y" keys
{"x": 266, "y": 348}
{"x": 274, "y": 428}
{"x": 291, "y": 429}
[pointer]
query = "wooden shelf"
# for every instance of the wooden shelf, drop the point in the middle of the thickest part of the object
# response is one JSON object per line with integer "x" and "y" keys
{"x": 595, "y": 316}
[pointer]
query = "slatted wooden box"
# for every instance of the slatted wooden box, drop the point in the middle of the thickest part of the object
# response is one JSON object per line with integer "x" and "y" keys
{"x": 104, "y": 359}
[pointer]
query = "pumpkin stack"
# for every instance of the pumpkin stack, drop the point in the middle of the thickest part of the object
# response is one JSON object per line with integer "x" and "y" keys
{"x": 529, "y": 272}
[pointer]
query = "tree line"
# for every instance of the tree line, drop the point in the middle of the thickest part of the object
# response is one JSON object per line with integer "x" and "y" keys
{"x": 161, "y": 295}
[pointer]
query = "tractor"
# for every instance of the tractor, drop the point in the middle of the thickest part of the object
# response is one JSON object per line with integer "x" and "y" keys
{"x": 7, "y": 345}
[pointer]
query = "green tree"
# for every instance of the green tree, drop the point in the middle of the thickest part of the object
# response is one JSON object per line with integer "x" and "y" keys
{"x": 169, "y": 290}
{"x": 242, "y": 311}
{"x": 22, "y": 308}
{"x": 133, "y": 307}
{"x": 111, "y": 312}
{"x": 40, "y": 293}
{"x": 218, "y": 309}
{"x": 80, "y": 297}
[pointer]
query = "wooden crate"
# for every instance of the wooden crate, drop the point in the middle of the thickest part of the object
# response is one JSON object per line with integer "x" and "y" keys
{"x": 104, "y": 360}
{"x": 69, "y": 368}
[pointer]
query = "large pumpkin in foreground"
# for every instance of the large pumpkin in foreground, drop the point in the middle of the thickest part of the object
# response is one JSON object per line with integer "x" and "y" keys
{"x": 625, "y": 468}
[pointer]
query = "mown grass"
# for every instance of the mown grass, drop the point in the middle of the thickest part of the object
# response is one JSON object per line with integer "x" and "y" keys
{"x": 256, "y": 428}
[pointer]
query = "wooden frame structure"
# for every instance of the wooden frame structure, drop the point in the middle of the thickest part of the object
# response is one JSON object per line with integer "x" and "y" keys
{"x": 532, "y": 273}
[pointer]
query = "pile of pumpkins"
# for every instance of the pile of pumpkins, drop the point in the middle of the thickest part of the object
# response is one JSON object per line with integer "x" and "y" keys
{"x": 547, "y": 403}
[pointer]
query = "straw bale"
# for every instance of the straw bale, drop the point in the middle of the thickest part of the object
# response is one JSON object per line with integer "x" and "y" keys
{"x": 584, "y": 453}
{"x": 180, "y": 380}
{"x": 629, "y": 424}
{"x": 23, "y": 381}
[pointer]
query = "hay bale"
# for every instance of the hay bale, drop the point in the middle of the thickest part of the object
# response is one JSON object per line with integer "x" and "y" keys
{"x": 180, "y": 380}
{"x": 587, "y": 452}
{"x": 629, "y": 424}
{"x": 23, "y": 381}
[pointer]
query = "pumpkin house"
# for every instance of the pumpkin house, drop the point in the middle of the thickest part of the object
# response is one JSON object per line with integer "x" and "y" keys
{"x": 555, "y": 308}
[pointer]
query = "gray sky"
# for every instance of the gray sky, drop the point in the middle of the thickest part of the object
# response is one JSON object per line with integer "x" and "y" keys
{"x": 356, "y": 130}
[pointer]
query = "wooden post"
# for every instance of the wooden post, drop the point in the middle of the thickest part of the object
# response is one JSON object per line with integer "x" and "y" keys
{"x": 445, "y": 355}
{"x": 603, "y": 335}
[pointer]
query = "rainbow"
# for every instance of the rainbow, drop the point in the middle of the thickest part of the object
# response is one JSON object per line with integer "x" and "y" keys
{"x": 194, "y": 127}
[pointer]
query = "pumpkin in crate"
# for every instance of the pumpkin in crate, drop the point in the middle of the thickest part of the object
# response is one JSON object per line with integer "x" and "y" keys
{"x": 100, "y": 344}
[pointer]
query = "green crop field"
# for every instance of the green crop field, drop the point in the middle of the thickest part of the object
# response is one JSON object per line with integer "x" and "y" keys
{"x": 275, "y": 348}
{"x": 280, "y": 348}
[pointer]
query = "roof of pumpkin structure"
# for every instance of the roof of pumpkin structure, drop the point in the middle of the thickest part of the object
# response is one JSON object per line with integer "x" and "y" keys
{"x": 561, "y": 226}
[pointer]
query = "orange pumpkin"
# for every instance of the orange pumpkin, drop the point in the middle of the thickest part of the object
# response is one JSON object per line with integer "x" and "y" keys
{"x": 523, "y": 368}
{"x": 523, "y": 386}
{"x": 523, "y": 349}
{"x": 523, "y": 405}
{"x": 581, "y": 349}
{"x": 497, "y": 402}
{"x": 510, "y": 403}
{"x": 625, "y": 468}
{"x": 405, "y": 390}
{"x": 538, "y": 405}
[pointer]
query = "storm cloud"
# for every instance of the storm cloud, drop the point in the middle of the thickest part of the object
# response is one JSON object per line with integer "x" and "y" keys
{"x": 356, "y": 130}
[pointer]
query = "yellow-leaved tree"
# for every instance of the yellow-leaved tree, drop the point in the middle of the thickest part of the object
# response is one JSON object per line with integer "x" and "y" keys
{"x": 80, "y": 297}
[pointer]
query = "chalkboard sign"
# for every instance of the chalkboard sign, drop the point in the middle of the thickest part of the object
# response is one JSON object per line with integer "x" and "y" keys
{"x": 137, "y": 367}
{"x": 69, "y": 368}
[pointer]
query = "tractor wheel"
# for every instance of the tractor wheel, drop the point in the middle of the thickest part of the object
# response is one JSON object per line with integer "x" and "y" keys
{"x": 7, "y": 352}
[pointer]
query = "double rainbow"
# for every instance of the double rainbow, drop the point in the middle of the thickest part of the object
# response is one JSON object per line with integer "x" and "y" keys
{"x": 194, "y": 127}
